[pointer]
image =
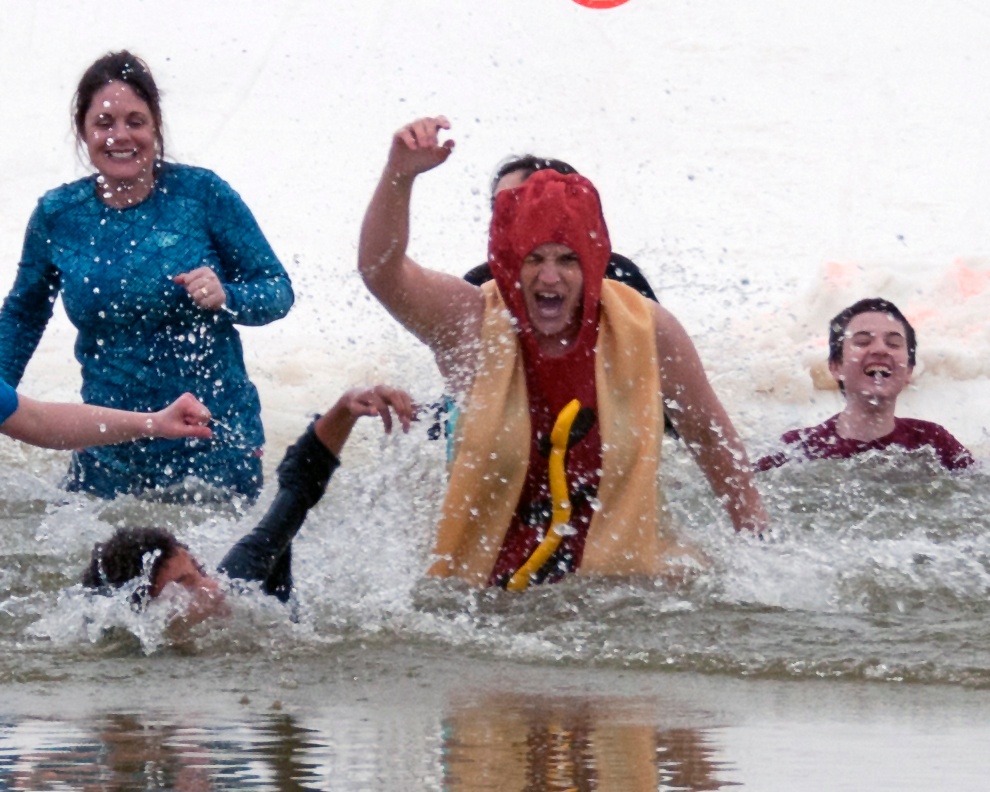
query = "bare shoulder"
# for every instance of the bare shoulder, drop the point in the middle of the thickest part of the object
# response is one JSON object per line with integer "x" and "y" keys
{"x": 670, "y": 333}
{"x": 463, "y": 308}
{"x": 680, "y": 365}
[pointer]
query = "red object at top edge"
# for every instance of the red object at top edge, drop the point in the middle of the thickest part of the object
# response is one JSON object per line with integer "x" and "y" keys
{"x": 600, "y": 3}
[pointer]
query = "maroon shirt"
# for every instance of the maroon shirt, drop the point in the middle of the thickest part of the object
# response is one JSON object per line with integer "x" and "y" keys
{"x": 910, "y": 434}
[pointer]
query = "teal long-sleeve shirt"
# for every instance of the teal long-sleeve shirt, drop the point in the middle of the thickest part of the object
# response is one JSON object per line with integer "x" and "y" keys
{"x": 141, "y": 340}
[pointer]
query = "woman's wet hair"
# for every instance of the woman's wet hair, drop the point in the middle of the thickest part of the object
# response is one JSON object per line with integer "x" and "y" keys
{"x": 528, "y": 164}
{"x": 122, "y": 67}
{"x": 840, "y": 322}
{"x": 130, "y": 553}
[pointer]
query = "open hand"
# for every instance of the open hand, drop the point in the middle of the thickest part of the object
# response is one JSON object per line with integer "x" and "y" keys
{"x": 416, "y": 148}
{"x": 334, "y": 426}
{"x": 378, "y": 400}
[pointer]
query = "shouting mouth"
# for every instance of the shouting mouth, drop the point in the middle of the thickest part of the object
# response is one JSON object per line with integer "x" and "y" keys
{"x": 549, "y": 305}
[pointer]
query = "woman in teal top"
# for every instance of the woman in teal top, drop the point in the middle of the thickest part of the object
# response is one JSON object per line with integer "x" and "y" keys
{"x": 156, "y": 263}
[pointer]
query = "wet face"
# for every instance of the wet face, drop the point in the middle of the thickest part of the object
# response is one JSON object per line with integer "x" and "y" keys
{"x": 120, "y": 136}
{"x": 182, "y": 571}
{"x": 553, "y": 285}
{"x": 874, "y": 361}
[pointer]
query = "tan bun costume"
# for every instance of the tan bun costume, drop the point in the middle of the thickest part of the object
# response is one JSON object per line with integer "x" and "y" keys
{"x": 487, "y": 529}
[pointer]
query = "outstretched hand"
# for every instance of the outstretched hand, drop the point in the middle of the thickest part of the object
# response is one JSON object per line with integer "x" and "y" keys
{"x": 334, "y": 426}
{"x": 376, "y": 401}
{"x": 416, "y": 148}
{"x": 185, "y": 417}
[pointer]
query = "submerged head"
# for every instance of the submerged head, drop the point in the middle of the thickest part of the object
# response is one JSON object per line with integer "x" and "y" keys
{"x": 151, "y": 554}
{"x": 117, "y": 116}
{"x": 548, "y": 249}
{"x": 872, "y": 349}
{"x": 515, "y": 170}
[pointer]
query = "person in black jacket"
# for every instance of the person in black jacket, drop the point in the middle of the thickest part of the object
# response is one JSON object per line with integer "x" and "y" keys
{"x": 155, "y": 559}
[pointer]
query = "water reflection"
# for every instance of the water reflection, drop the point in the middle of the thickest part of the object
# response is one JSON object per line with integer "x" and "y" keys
{"x": 124, "y": 751}
{"x": 120, "y": 752}
{"x": 497, "y": 742}
{"x": 548, "y": 745}
{"x": 282, "y": 745}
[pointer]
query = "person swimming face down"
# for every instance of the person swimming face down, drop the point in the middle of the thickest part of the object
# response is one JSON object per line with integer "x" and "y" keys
{"x": 161, "y": 564}
{"x": 548, "y": 249}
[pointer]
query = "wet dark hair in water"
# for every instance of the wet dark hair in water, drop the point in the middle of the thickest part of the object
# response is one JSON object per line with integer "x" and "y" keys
{"x": 528, "y": 164}
{"x": 122, "y": 67}
{"x": 126, "y": 555}
{"x": 837, "y": 327}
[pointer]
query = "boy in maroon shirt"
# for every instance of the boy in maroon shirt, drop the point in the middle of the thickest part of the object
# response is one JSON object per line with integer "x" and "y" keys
{"x": 871, "y": 355}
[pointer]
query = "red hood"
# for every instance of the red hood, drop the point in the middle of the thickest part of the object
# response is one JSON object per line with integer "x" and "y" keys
{"x": 549, "y": 207}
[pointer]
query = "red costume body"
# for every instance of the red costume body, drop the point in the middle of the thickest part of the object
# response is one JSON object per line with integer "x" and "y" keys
{"x": 552, "y": 208}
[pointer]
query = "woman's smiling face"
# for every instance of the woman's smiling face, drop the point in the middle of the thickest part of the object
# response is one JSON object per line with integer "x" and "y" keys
{"x": 120, "y": 135}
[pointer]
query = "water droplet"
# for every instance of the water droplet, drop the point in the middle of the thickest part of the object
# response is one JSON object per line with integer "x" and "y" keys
{"x": 566, "y": 530}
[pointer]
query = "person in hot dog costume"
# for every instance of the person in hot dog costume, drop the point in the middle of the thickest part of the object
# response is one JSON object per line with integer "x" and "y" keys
{"x": 515, "y": 352}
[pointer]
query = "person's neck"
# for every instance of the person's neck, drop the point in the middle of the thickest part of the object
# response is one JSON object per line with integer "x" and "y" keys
{"x": 865, "y": 421}
{"x": 121, "y": 194}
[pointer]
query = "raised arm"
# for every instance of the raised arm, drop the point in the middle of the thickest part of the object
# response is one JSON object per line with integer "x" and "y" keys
{"x": 702, "y": 422}
{"x": 65, "y": 426}
{"x": 440, "y": 309}
{"x": 303, "y": 474}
